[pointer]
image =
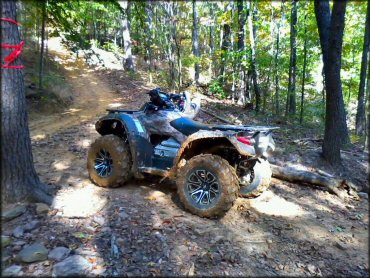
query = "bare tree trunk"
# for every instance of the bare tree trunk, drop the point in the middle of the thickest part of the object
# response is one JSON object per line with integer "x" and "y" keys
{"x": 234, "y": 63}
{"x": 212, "y": 39}
{"x": 366, "y": 146}
{"x": 336, "y": 132}
{"x": 254, "y": 70}
{"x": 19, "y": 180}
{"x": 149, "y": 39}
{"x": 277, "y": 108}
{"x": 360, "y": 115}
{"x": 128, "y": 62}
{"x": 304, "y": 68}
{"x": 224, "y": 48}
{"x": 195, "y": 40}
{"x": 244, "y": 96}
{"x": 41, "y": 59}
{"x": 170, "y": 22}
{"x": 291, "y": 98}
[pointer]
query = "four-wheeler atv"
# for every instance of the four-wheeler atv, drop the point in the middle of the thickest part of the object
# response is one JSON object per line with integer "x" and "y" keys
{"x": 214, "y": 164}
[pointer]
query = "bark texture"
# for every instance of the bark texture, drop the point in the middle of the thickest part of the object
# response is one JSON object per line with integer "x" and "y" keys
{"x": 360, "y": 115}
{"x": 244, "y": 94}
{"x": 330, "y": 183}
{"x": 331, "y": 37}
{"x": 128, "y": 62}
{"x": 19, "y": 180}
{"x": 254, "y": 70}
{"x": 42, "y": 47}
{"x": 304, "y": 68}
{"x": 291, "y": 98}
{"x": 195, "y": 41}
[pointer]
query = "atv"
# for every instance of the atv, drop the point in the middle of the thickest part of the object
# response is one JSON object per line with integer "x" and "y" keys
{"x": 211, "y": 167}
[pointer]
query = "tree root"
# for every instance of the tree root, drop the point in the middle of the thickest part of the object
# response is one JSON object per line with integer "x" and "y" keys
{"x": 42, "y": 193}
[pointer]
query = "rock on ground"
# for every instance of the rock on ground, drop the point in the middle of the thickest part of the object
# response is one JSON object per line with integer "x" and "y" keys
{"x": 33, "y": 253}
{"x": 5, "y": 241}
{"x": 18, "y": 232}
{"x": 59, "y": 253}
{"x": 73, "y": 265}
{"x": 13, "y": 213}
{"x": 14, "y": 270}
{"x": 41, "y": 208}
{"x": 31, "y": 226}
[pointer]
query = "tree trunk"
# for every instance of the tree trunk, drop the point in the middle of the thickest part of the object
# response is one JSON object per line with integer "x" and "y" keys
{"x": 366, "y": 146}
{"x": 171, "y": 42}
{"x": 41, "y": 59}
{"x": 195, "y": 40}
{"x": 212, "y": 40}
{"x": 149, "y": 39}
{"x": 304, "y": 68}
{"x": 291, "y": 98}
{"x": 244, "y": 96}
{"x": 254, "y": 70}
{"x": 224, "y": 48}
{"x": 19, "y": 180}
{"x": 234, "y": 62}
{"x": 360, "y": 115}
{"x": 277, "y": 108}
{"x": 336, "y": 132}
{"x": 323, "y": 16}
{"x": 128, "y": 62}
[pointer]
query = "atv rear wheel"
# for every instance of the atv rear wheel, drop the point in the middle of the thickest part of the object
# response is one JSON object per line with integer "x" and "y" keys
{"x": 260, "y": 178}
{"x": 109, "y": 161}
{"x": 207, "y": 185}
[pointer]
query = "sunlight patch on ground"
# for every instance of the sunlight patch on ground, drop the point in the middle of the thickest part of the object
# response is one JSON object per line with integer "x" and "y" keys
{"x": 71, "y": 111}
{"x": 156, "y": 196}
{"x": 61, "y": 165}
{"x": 38, "y": 137}
{"x": 85, "y": 143}
{"x": 271, "y": 204}
{"x": 81, "y": 202}
{"x": 114, "y": 105}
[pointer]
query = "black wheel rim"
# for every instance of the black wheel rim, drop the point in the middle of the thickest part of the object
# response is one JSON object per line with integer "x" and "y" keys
{"x": 103, "y": 163}
{"x": 202, "y": 188}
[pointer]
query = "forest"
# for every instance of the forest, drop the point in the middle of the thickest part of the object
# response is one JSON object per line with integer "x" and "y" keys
{"x": 265, "y": 56}
{"x": 302, "y": 66}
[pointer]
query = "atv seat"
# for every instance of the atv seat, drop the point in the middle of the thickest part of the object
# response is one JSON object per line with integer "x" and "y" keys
{"x": 187, "y": 126}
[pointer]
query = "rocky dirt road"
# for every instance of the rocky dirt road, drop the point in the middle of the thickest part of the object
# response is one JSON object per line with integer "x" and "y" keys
{"x": 142, "y": 229}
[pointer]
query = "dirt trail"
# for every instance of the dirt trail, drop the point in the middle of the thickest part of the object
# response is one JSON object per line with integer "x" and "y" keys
{"x": 91, "y": 95}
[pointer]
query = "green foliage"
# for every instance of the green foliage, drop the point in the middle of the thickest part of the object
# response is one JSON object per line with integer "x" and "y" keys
{"x": 110, "y": 46}
{"x": 82, "y": 22}
{"x": 215, "y": 88}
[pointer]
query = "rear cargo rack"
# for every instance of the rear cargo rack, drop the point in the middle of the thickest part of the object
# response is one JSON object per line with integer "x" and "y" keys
{"x": 122, "y": 111}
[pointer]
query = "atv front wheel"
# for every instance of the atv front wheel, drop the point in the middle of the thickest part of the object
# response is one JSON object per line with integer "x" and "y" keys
{"x": 207, "y": 185}
{"x": 109, "y": 161}
{"x": 259, "y": 178}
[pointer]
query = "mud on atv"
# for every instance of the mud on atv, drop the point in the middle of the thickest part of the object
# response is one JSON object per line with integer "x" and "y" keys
{"x": 214, "y": 165}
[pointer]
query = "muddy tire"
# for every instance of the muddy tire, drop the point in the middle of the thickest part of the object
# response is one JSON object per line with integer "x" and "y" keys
{"x": 109, "y": 161}
{"x": 207, "y": 185}
{"x": 260, "y": 182}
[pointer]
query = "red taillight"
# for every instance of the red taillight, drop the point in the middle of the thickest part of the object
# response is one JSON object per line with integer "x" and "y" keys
{"x": 245, "y": 140}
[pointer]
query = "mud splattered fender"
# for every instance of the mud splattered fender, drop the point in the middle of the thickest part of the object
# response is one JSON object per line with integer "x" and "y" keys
{"x": 206, "y": 135}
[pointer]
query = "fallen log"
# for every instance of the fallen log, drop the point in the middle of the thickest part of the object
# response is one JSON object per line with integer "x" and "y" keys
{"x": 216, "y": 116}
{"x": 332, "y": 184}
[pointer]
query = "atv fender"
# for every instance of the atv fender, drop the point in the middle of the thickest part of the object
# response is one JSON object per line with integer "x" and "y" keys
{"x": 204, "y": 137}
{"x": 129, "y": 128}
